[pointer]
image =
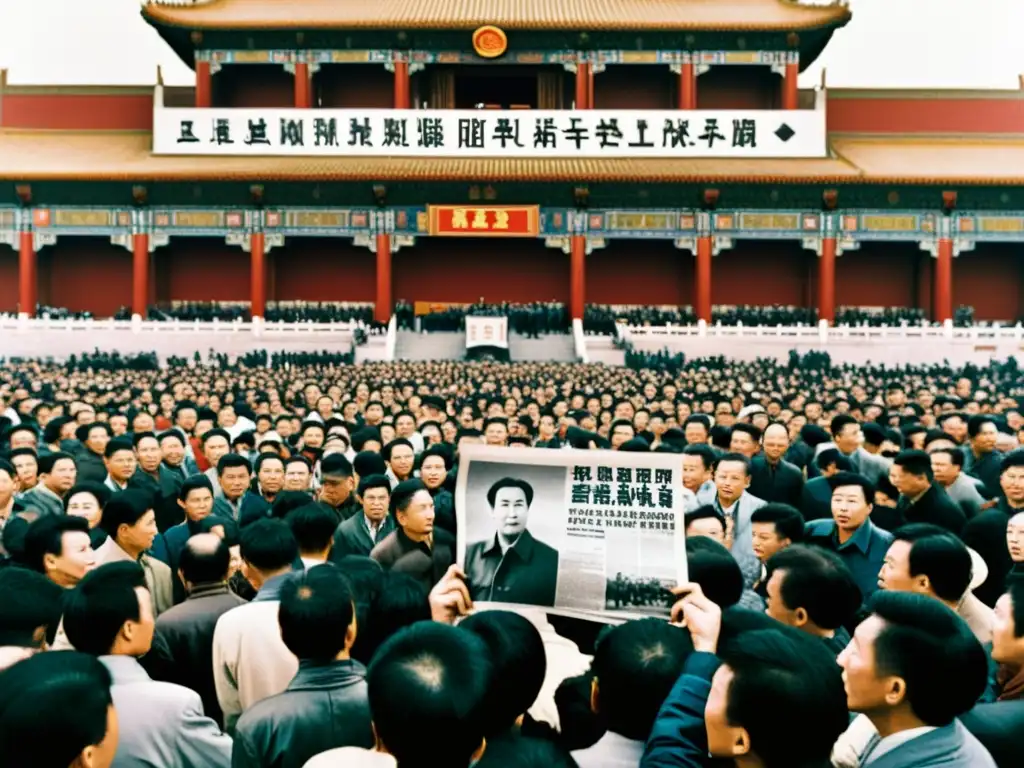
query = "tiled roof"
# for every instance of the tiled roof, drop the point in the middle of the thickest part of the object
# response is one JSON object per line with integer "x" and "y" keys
{"x": 125, "y": 156}
{"x": 509, "y": 14}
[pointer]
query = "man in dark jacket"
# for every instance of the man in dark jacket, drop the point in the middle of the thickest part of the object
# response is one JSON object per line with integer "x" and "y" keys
{"x": 185, "y": 632}
{"x": 986, "y": 533}
{"x": 513, "y": 566}
{"x": 161, "y": 482}
{"x": 922, "y": 500}
{"x": 325, "y": 705}
{"x": 93, "y": 438}
{"x": 416, "y": 547}
{"x": 361, "y": 533}
{"x": 772, "y": 478}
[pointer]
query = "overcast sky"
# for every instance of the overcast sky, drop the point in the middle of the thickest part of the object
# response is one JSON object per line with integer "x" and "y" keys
{"x": 889, "y": 44}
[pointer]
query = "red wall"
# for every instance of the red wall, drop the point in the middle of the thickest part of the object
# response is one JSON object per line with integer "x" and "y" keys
{"x": 910, "y": 115}
{"x": 989, "y": 279}
{"x": 323, "y": 269}
{"x": 86, "y": 274}
{"x": 203, "y": 269}
{"x": 253, "y": 85}
{"x": 351, "y": 86}
{"x": 761, "y": 272}
{"x": 8, "y": 279}
{"x": 619, "y": 87}
{"x": 739, "y": 87}
{"x": 879, "y": 275}
{"x": 659, "y": 274}
{"x": 453, "y": 269}
{"x": 64, "y": 111}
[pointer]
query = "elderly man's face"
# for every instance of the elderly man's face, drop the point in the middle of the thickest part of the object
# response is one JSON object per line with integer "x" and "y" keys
{"x": 510, "y": 512}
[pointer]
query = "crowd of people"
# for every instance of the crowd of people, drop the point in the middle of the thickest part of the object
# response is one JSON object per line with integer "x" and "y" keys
{"x": 239, "y": 564}
{"x": 276, "y": 311}
{"x": 529, "y": 320}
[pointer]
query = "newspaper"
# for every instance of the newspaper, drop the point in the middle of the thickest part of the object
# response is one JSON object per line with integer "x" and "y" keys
{"x": 596, "y": 534}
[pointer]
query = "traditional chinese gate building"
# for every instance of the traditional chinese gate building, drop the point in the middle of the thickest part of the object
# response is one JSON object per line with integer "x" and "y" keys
{"x": 130, "y": 196}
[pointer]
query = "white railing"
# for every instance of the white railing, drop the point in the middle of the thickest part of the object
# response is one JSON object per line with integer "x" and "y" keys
{"x": 137, "y": 325}
{"x": 579, "y": 340}
{"x": 392, "y": 338}
{"x": 825, "y": 333}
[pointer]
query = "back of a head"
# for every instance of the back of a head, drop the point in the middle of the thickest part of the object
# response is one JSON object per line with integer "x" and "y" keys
{"x": 366, "y": 578}
{"x": 916, "y": 463}
{"x": 401, "y": 602}
{"x": 923, "y": 642}
{"x": 54, "y": 706}
{"x": 125, "y": 508}
{"x": 268, "y": 545}
{"x": 940, "y": 556}
{"x": 288, "y": 501}
{"x": 525, "y": 752}
{"x": 426, "y": 688}
{"x": 636, "y": 664}
{"x": 336, "y": 465}
{"x": 313, "y": 526}
{"x": 787, "y": 693}
{"x": 28, "y": 601}
{"x": 819, "y": 582}
{"x": 520, "y": 664}
{"x": 98, "y": 607}
{"x": 316, "y": 614}
{"x": 713, "y": 567}
{"x": 369, "y": 463}
{"x": 205, "y": 559}
{"x": 831, "y": 456}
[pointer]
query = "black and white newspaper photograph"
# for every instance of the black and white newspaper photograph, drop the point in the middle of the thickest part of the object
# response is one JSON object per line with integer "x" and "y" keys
{"x": 577, "y": 532}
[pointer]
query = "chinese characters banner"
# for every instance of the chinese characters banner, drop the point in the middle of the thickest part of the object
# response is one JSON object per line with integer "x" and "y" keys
{"x": 487, "y": 133}
{"x": 486, "y": 332}
{"x": 492, "y": 221}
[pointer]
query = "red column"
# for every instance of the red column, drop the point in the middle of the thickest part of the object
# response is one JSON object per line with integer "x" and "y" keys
{"x": 140, "y": 274}
{"x": 687, "y": 87}
{"x": 577, "y": 276}
{"x": 702, "y": 296}
{"x": 401, "y": 85}
{"x": 790, "y": 99}
{"x": 204, "y": 84}
{"x": 303, "y": 89}
{"x": 942, "y": 294}
{"x": 27, "y": 284}
{"x": 582, "y": 85}
{"x": 827, "y": 280}
{"x": 590, "y": 86}
{"x": 257, "y": 275}
{"x": 382, "y": 307}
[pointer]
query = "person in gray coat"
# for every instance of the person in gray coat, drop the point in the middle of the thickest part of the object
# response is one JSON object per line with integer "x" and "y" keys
{"x": 846, "y": 436}
{"x": 890, "y": 674}
{"x": 947, "y": 466}
{"x": 57, "y": 474}
{"x": 110, "y": 615}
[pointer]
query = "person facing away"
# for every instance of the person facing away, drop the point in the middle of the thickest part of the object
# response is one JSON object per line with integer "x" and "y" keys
{"x": 186, "y": 630}
{"x": 362, "y": 532}
{"x": 30, "y": 606}
{"x": 250, "y": 661}
{"x": 110, "y": 615}
{"x": 56, "y": 710}
{"x": 325, "y": 705}
{"x": 912, "y": 667}
{"x": 635, "y": 666}
{"x": 313, "y": 527}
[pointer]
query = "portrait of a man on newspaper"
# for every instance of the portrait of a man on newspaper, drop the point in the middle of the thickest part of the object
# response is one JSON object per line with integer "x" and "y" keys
{"x": 512, "y": 566}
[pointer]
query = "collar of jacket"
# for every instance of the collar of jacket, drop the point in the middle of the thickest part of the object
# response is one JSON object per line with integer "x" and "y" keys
{"x": 271, "y": 589}
{"x": 208, "y": 590}
{"x": 318, "y": 675}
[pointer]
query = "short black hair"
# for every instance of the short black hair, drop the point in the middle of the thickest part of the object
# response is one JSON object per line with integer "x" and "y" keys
{"x": 400, "y": 602}
{"x": 956, "y": 456}
{"x": 313, "y": 526}
{"x": 138, "y": 437}
{"x": 789, "y": 522}
{"x": 6, "y": 466}
{"x": 818, "y": 581}
{"x": 317, "y": 607}
{"x": 125, "y": 508}
{"x": 441, "y": 451}
{"x": 705, "y": 451}
{"x": 1015, "y": 589}
{"x": 98, "y": 607}
{"x": 52, "y": 707}
{"x": 713, "y": 567}
{"x": 374, "y": 481}
{"x": 427, "y": 685}
{"x": 939, "y": 555}
{"x": 46, "y": 463}
{"x": 840, "y": 421}
{"x": 787, "y": 693}
{"x": 402, "y": 494}
{"x": 916, "y": 463}
{"x": 365, "y": 463}
{"x": 171, "y": 433}
{"x": 738, "y": 458}
{"x": 231, "y": 461}
{"x": 285, "y": 502}
{"x": 364, "y": 436}
{"x": 28, "y": 601}
{"x": 1011, "y": 460}
{"x": 843, "y": 479}
{"x": 312, "y": 424}
{"x": 263, "y": 458}
{"x": 748, "y": 429}
{"x": 636, "y": 664}
{"x": 831, "y": 456}
{"x": 976, "y": 422}
{"x": 387, "y": 449}
{"x": 921, "y": 635}
{"x": 117, "y": 445}
{"x": 194, "y": 483}
{"x": 99, "y": 492}
{"x": 510, "y": 482}
{"x": 520, "y": 665}
{"x": 45, "y": 536}
{"x": 525, "y": 752}
{"x": 703, "y": 512}
{"x": 212, "y": 433}
{"x": 202, "y": 565}
{"x": 268, "y": 544}
{"x": 366, "y": 577}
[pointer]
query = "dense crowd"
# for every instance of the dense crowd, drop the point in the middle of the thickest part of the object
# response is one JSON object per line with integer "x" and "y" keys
{"x": 253, "y": 563}
{"x": 284, "y": 311}
{"x": 530, "y": 320}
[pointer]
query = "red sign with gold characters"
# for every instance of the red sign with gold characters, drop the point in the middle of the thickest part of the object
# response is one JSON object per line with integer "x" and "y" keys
{"x": 490, "y": 42}
{"x": 486, "y": 221}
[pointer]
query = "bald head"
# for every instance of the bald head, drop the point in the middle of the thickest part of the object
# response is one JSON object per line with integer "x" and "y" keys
{"x": 204, "y": 560}
{"x": 775, "y": 441}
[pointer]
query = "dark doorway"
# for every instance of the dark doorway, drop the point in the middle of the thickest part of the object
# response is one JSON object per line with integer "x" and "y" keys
{"x": 494, "y": 89}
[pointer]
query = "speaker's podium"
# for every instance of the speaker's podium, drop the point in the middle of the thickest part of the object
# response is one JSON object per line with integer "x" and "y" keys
{"x": 486, "y": 338}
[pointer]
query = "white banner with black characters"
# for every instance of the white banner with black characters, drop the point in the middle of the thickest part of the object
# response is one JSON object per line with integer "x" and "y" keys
{"x": 486, "y": 332}
{"x": 597, "y": 534}
{"x": 625, "y": 133}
